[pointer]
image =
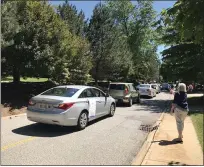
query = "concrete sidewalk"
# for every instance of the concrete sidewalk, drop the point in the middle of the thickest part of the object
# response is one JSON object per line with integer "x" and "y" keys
{"x": 165, "y": 151}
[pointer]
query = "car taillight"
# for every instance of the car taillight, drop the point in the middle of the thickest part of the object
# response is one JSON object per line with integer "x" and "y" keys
{"x": 31, "y": 103}
{"x": 65, "y": 106}
{"x": 126, "y": 90}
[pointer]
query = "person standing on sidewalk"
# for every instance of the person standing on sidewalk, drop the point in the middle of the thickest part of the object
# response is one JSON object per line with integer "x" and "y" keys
{"x": 180, "y": 109}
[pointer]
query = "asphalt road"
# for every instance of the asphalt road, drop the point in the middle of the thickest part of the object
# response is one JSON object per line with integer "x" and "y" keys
{"x": 107, "y": 141}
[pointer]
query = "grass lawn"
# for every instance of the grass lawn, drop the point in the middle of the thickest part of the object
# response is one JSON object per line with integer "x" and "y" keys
{"x": 10, "y": 79}
{"x": 197, "y": 119}
{"x": 197, "y": 115}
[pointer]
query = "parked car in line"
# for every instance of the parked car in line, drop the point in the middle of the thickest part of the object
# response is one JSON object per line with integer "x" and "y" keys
{"x": 147, "y": 90}
{"x": 70, "y": 105}
{"x": 157, "y": 88}
{"x": 124, "y": 93}
{"x": 165, "y": 86}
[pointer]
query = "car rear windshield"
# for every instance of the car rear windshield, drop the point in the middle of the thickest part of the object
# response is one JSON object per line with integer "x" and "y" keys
{"x": 165, "y": 84}
{"x": 63, "y": 92}
{"x": 144, "y": 86}
{"x": 117, "y": 86}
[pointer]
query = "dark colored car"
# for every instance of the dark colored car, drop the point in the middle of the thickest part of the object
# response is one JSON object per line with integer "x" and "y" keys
{"x": 165, "y": 86}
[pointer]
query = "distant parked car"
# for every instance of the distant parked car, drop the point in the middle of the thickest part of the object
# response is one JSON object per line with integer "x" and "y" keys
{"x": 124, "y": 93}
{"x": 199, "y": 87}
{"x": 157, "y": 88}
{"x": 147, "y": 90}
{"x": 70, "y": 105}
{"x": 165, "y": 86}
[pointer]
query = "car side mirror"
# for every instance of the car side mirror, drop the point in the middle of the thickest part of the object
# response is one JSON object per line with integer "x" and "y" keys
{"x": 107, "y": 95}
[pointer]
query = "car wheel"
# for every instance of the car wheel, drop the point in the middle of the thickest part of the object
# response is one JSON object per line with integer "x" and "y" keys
{"x": 82, "y": 121}
{"x": 130, "y": 102}
{"x": 112, "y": 110}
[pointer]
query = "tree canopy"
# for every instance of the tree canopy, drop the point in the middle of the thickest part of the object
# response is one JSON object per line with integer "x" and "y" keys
{"x": 117, "y": 43}
{"x": 182, "y": 29}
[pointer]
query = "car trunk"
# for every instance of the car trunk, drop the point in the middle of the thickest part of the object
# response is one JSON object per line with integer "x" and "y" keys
{"x": 47, "y": 102}
{"x": 144, "y": 89}
{"x": 117, "y": 90}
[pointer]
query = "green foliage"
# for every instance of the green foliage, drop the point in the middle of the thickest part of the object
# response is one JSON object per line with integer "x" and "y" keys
{"x": 36, "y": 46}
{"x": 118, "y": 42}
{"x": 182, "y": 27}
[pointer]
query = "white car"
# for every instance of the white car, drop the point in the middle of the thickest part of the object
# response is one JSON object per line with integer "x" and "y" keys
{"x": 157, "y": 87}
{"x": 70, "y": 106}
{"x": 147, "y": 90}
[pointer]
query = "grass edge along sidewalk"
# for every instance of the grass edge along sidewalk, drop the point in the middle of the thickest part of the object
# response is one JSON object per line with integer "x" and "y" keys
{"x": 196, "y": 107}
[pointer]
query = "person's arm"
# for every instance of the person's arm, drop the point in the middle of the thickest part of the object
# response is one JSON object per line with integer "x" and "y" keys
{"x": 173, "y": 104}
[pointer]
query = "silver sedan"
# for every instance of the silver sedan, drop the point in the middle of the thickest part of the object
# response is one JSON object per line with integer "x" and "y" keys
{"x": 70, "y": 106}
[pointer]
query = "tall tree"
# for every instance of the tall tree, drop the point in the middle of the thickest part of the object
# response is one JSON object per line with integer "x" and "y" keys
{"x": 36, "y": 46}
{"x": 182, "y": 29}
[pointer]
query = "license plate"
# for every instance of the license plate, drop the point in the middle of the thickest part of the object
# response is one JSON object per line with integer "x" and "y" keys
{"x": 45, "y": 106}
{"x": 41, "y": 105}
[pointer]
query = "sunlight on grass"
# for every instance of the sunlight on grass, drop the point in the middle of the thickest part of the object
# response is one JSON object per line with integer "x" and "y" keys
{"x": 10, "y": 79}
{"x": 197, "y": 119}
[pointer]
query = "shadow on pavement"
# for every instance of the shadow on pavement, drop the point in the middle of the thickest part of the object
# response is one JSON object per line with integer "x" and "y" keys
{"x": 46, "y": 130}
{"x": 173, "y": 163}
{"x": 155, "y": 106}
{"x": 167, "y": 142}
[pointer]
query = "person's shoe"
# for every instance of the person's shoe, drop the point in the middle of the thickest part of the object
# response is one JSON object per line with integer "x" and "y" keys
{"x": 179, "y": 140}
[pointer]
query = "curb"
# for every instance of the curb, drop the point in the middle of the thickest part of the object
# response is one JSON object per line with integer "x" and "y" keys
{"x": 146, "y": 145}
{"x": 13, "y": 116}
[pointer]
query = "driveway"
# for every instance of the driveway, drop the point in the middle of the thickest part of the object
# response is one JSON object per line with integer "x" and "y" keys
{"x": 107, "y": 141}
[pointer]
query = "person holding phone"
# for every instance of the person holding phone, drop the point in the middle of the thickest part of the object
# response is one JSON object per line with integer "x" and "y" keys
{"x": 180, "y": 109}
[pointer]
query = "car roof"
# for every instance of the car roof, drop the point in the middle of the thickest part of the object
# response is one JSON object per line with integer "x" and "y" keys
{"x": 120, "y": 83}
{"x": 75, "y": 86}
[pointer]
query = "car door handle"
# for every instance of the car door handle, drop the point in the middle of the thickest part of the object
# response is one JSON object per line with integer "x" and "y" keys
{"x": 99, "y": 101}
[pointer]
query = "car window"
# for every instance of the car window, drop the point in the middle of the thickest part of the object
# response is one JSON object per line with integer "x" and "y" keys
{"x": 144, "y": 86}
{"x": 87, "y": 93}
{"x": 102, "y": 94}
{"x": 132, "y": 87}
{"x": 96, "y": 92}
{"x": 63, "y": 92}
{"x": 117, "y": 86}
{"x": 153, "y": 86}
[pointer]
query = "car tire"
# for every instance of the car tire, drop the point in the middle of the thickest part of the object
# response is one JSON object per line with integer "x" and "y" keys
{"x": 82, "y": 121}
{"x": 112, "y": 110}
{"x": 130, "y": 102}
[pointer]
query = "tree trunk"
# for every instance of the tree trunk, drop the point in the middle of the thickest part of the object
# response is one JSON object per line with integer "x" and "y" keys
{"x": 96, "y": 78}
{"x": 16, "y": 74}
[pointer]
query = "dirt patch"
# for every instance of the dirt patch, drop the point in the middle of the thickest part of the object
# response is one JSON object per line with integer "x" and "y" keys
{"x": 7, "y": 111}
